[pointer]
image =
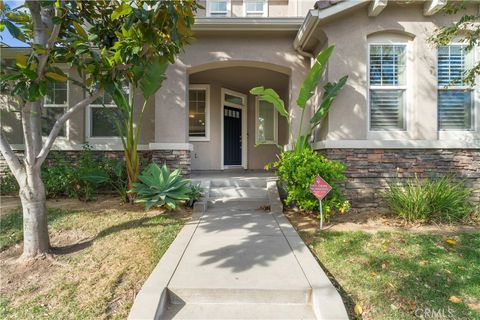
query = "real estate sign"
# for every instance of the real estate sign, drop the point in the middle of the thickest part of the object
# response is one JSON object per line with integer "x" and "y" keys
{"x": 320, "y": 188}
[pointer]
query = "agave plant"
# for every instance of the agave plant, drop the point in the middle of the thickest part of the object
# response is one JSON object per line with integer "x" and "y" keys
{"x": 159, "y": 187}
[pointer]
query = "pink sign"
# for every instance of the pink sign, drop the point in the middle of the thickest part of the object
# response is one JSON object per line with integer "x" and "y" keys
{"x": 320, "y": 188}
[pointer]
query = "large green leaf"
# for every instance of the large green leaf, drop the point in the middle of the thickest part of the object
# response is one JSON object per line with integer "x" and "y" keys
{"x": 313, "y": 77}
{"x": 153, "y": 76}
{"x": 119, "y": 98}
{"x": 122, "y": 10}
{"x": 14, "y": 30}
{"x": 271, "y": 96}
{"x": 331, "y": 91}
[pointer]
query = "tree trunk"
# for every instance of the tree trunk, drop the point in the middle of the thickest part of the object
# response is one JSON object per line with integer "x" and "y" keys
{"x": 35, "y": 228}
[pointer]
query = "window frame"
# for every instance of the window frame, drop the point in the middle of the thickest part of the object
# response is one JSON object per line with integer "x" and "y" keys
{"x": 471, "y": 89}
{"x": 206, "y": 88}
{"x": 88, "y": 121}
{"x": 275, "y": 124}
{"x": 404, "y": 87}
{"x": 65, "y": 106}
{"x": 264, "y": 12}
{"x": 209, "y": 12}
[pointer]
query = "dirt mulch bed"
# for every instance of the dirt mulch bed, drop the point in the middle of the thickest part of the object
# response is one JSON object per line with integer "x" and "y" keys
{"x": 372, "y": 221}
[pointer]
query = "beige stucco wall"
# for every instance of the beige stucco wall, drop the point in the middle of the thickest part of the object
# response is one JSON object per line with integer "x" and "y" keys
{"x": 271, "y": 51}
{"x": 206, "y": 155}
{"x": 348, "y": 118}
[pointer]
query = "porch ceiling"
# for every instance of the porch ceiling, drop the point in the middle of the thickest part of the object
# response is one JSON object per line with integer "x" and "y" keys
{"x": 243, "y": 79}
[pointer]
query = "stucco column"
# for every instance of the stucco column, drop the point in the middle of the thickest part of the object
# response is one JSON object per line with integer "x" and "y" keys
{"x": 171, "y": 108}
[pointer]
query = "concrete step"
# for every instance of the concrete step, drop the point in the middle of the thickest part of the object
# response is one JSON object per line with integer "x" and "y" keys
{"x": 240, "y": 204}
{"x": 239, "y": 311}
{"x": 239, "y": 182}
{"x": 238, "y": 295}
{"x": 238, "y": 192}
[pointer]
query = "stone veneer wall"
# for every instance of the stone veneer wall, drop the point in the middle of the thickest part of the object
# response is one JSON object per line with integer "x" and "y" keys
{"x": 369, "y": 170}
{"x": 173, "y": 158}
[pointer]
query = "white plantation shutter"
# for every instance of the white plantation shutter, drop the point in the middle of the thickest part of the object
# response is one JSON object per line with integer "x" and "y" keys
{"x": 386, "y": 109}
{"x": 454, "y": 97}
{"x": 387, "y": 78}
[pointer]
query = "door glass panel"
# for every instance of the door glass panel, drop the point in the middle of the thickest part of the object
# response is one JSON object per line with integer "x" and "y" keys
{"x": 233, "y": 99}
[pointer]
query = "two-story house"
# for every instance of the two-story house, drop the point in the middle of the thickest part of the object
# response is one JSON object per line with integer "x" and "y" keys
{"x": 394, "y": 116}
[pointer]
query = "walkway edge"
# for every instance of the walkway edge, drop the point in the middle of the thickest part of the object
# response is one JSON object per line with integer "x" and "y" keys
{"x": 326, "y": 301}
{"x": 151, "y": 301}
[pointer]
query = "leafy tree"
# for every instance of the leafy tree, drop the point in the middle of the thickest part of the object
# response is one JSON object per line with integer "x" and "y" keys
{"x": 467, "y": 28}
{"x": 330, "y": 91}
{"x": 106, "y": 42}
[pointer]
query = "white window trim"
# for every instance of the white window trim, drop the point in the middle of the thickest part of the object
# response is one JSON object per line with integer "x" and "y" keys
{"x": 472, "y": 133}
{"x": 275, "y": 124}
{"x": 392, "y": 134}
{"x": 244, "y": 108}
{"x": 209, "y": 12}
{"x": 88, "y": 122}
{"x": 66, "y": 106}
{"x": 205, "y": 87}
{"x": 264, "y": 12}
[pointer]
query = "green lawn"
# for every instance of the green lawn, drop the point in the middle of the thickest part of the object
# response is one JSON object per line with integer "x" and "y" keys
{"x": 104, "y": 257}
{"x": 393, "y": 275}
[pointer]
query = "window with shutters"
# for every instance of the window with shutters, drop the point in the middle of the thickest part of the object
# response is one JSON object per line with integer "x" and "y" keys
{"x": 455, "y": 98}
{"x": 387, "y": 86}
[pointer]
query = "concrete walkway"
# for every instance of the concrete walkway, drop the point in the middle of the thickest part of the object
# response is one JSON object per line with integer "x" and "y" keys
{"x": 242, "y": 261}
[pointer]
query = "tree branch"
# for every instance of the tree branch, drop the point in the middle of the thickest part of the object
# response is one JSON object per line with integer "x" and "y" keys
{"x": 59, "y": 124}
{"x": 26, "y": 111}
{"x": 43, "y": 59}
{"x": 10, "y": 157}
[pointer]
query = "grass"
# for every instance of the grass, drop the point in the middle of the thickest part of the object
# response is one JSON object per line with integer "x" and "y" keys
{"x": 103, "y": 258}
{"x": 393, "y": 275}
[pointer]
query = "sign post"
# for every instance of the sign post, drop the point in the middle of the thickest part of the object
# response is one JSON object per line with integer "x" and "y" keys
{"x": 320, "y": 188}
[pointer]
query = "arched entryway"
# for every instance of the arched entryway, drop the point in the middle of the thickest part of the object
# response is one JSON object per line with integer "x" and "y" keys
{"x": 228, "y": 127}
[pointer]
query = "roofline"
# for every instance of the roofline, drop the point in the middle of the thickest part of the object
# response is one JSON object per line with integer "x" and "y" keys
{"x": 315, "y": 16}
{"x": 247, "y": 24}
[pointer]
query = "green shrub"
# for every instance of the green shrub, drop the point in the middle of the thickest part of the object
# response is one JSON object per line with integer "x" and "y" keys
{"x": 116, "y": 176}
{"x": 194, "y": 194}
{"x": 430, "y": 200}
{"x": 160, "y": 187}
{"x": 63, "y": 177}
{"x": 8, "y": 184}
{"x": 297, "y": 171}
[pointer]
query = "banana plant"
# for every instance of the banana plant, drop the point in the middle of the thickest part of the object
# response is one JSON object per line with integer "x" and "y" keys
{"x": 330, "y": 91}
{"x": 128, "y": 123}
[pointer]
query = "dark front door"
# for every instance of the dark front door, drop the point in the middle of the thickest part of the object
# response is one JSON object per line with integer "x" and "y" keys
{"x": 232, "y": 136}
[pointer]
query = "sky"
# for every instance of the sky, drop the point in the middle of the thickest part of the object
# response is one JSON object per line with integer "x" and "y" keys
{"x": 6, "y": 37}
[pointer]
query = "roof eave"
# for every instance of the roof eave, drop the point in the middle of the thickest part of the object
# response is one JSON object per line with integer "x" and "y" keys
{"x": 316, "y": 16}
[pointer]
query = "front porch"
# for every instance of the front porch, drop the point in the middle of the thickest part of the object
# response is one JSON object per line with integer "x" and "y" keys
{"x": 228, "y": 127}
